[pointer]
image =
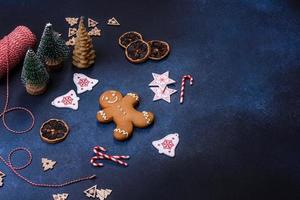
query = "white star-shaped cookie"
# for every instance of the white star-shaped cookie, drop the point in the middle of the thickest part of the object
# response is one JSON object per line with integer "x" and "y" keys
{"x": 161, "y": 80}
{"x": 164, "y": 94}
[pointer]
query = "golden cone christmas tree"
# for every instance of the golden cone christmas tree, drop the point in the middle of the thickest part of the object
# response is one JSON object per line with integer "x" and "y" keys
{"x": 84, "y": 54}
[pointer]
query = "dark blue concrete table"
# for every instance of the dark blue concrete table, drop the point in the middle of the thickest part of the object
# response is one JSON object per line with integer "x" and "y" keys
{"x": 239, "y": 125}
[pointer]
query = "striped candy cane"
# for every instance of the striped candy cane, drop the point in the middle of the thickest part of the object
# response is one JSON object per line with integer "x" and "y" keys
{"x": 183, "y": 85}
{"x": 99, "y": 155}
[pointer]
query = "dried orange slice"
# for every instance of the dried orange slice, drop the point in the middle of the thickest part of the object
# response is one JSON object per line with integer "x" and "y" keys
{"x": 159, "y": 49}
{"x": 54, "y": 131}
{"x": 129, "y": 37}
{"x": 137, "y": 51}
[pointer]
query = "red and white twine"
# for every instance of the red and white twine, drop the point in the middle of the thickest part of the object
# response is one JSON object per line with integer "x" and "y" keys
{"x": 15, "y": 170}
{"x": 16, "y": 55}
{"x": 99, "y": 155}
{"x": 185, "y": 77}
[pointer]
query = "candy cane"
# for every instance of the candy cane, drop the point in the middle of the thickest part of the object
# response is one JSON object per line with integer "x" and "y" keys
{"x": 99, "y": 155}
{"x": 183, "y": 85}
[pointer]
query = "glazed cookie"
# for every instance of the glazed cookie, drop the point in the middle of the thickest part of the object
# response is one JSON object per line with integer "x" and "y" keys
{"x": 121, "y": 110}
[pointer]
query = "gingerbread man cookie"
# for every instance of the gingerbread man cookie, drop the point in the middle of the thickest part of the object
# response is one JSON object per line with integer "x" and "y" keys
{"x": 121, "y": 110}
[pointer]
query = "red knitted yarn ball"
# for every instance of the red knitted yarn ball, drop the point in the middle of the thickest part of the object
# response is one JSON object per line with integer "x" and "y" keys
{"x": 21, "y": 39}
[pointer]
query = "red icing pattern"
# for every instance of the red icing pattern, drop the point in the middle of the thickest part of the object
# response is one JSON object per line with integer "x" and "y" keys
{"x": 83, "y": 82}
{"x": 67, "y": 100}
{"x": 167, "y": 144}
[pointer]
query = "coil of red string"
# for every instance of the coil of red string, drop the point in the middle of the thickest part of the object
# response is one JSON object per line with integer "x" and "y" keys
{"x": 100, "y": 155}
{"x": 12, "y": 51}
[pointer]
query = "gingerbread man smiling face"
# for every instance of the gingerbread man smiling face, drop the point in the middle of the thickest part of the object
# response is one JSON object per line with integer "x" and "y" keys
{"x": 110, "y": 97}
{"x": 121, "y": 110}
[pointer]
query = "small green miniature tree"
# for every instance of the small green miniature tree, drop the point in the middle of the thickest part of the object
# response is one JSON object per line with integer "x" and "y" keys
{"x": 52, "y": 49}
{"x": 34, "y": 74}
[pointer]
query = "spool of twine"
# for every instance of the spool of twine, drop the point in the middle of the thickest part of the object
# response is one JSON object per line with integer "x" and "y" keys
{"x": 12, "y": 50}
{"x": 21, "y": 39}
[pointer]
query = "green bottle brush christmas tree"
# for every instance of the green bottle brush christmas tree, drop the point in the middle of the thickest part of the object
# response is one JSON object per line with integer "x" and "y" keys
{"x": 34, "y": 74}
{"x": 52, "y": 49}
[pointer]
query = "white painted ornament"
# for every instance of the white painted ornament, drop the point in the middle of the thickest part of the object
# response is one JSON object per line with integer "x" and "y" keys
{"x": 68, "y": 100}
{"x": 47, "y": 164}
{"x": 62, "y": 196}
{"x": 164, "y": 94}
{"x": 161, "y": 80}
{"x": 167, "y": 145}
{"x": 83, "y": 83}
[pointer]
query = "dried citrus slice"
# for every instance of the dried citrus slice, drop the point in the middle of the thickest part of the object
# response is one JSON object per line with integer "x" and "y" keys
{"x": 129, "y": 37}
{"x": 137, "y": 51}
{"x": 54, "y": 131}
{"x": 159, "y": 49}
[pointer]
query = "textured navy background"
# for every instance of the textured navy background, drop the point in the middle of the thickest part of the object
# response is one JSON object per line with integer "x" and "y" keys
{"x": 239, "y": 124}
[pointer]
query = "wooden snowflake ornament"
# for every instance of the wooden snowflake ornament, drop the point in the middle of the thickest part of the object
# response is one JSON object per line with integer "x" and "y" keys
{"x": 48, "y": 164}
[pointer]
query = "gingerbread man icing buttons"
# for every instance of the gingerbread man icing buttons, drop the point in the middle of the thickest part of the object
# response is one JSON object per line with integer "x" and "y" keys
{"x": 122, "y": 111}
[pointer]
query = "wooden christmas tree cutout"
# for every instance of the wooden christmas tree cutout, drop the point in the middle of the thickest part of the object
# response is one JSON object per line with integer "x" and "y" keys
{"x": 92, "y": 23}
{"x": 72, "y": 31}
{"x": 84, "y": 54}
{"x": 72, "y": 20}
{"x": 95, "y": 32}
{"x": 113, "y": 22}
{"x": 91, "y": 192}
{"x": 2, "y": 175}
{"x": 103, "y": 193}
{"x": 48, "y": 164}
{"x": 63, "y": 196}
{"x": 71, "y": 42}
